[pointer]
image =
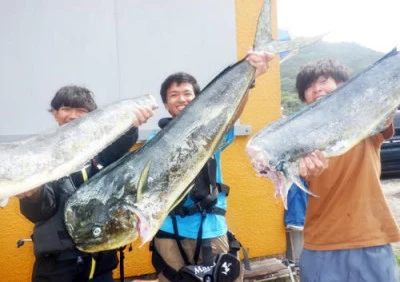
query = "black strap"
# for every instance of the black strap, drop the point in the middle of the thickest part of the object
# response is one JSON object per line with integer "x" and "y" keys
{"x": 223, "y": 188}
{"x": 199, "y": 238}
{"x": 177, "y": 239}
{"x": 198, "y": 241}
{"x": 206, "y": 250}
{"x": 121, "y": 263}
{"x": 190, "y": 210}
{"x": 161, "y": 266}
{"x": 235, "y": 246}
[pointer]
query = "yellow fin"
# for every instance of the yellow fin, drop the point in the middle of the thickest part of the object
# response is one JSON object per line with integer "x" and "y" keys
{"x": 143, "y": 181}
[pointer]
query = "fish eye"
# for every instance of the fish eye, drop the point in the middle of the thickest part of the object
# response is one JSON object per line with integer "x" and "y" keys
{"x": 96, "y": 231}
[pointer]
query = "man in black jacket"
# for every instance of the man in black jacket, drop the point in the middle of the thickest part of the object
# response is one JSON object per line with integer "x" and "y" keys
{"x": 56, "y": 257}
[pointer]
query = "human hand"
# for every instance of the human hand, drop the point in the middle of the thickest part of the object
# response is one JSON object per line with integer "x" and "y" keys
{"x": 141, "y": 115}
{"x": 312, "y": 164}
{"x": 259, "y": 60}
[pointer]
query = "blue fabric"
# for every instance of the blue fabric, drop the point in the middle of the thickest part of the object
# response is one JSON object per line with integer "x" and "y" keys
{"x": 283, "y": 35}
{"x": 296, "y": 206}
{"x": 372, "y": 264}
{"x": 213, "y": 225}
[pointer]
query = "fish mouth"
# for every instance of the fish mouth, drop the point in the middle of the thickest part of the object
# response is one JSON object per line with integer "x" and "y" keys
{"x": 107, "y": 241}
{"x": 109, "y": 230}
{"x": 259, "y": 160}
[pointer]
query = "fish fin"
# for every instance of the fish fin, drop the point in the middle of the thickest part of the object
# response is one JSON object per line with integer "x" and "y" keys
{"x": 295, "y": 44}
{"x": 291, "y": 172}
{"x": 263, "y": 31}
{"x": 284, "y": 180}
{"x": 299, "y": 183}
{"x": 3, "y": 202}
{"x": 393, "y": 52}
{"x": 263, "y": 40}
{"x": 143, "y": 181}
{"x": 290, "y": 55}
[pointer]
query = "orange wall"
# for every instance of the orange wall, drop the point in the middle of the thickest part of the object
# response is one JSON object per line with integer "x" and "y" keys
{"x": 254, "y": 214}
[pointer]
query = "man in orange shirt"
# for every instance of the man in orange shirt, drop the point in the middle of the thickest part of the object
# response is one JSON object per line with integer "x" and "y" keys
{"x": 349, "y": 228}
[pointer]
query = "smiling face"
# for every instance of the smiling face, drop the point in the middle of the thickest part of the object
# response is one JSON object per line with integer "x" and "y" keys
{"x": 178, "y": 97}
{"x": 66, "y": 114}
{"x": 319, "y": 88}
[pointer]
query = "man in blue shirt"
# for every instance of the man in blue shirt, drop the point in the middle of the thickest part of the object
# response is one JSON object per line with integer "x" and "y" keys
{"x": 198, "y": 222}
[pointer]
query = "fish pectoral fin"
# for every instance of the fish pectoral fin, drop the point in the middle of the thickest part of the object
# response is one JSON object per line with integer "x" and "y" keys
{"x": 294, "y": 44}
{"x": 292, "y": 174}
{"x": 299, "y": 183}
{"x": 290, "y": 55}
{"x": 143, "y": 181}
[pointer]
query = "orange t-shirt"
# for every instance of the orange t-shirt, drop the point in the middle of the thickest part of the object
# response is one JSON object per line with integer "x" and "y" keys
{"x": 351, "y": 211}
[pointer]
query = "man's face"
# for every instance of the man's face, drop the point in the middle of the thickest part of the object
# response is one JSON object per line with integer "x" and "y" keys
{"x": 318, "y": 89}
{"x": 65, "y": 114}
{"x": 178, "y": 96}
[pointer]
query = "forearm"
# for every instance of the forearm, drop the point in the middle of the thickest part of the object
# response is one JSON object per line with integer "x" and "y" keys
{"x": 41, "y": 206}
{"x": 120, "y": 147}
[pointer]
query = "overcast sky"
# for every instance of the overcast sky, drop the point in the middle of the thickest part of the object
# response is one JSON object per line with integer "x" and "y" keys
{"x": 371, "y": 23}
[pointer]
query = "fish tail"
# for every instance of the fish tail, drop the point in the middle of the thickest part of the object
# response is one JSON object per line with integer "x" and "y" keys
{"x": 263, "y": 40}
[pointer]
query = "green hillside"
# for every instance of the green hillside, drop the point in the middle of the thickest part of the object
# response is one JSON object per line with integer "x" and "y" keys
{"x": 353, "y": 55}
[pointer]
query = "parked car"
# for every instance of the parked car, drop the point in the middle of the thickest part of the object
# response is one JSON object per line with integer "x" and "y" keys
{"x": 390, "y": 152}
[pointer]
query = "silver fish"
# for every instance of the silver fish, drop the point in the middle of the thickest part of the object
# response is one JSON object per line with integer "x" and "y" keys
{"x": 31, "y": 162}
{"x": 333, "y": 124}
{"x": 133, "y": 196}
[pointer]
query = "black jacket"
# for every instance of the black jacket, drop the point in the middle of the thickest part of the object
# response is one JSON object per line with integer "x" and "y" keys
{"x": 50, "y": 237}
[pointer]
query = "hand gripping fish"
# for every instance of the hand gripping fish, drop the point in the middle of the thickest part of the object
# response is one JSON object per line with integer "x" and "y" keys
{"x": 133, "y": 196}
{"x": 31, "y": 162}
{"x": 333, "y": 124}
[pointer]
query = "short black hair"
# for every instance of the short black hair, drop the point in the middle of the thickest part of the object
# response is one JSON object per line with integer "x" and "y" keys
{"x": 310, "y": 72}
{"x": 178, "y": 78}
{"x": 75, "y": 97}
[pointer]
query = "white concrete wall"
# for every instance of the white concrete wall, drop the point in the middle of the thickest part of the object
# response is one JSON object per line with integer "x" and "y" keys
{"x": 118, "y": 49}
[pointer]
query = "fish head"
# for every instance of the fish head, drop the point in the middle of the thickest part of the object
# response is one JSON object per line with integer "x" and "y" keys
{"x": 267, "y": 166}
{"x": 283, "y": 172}
{"x": 263, "y": 164}
{"x": 96, "y": 226}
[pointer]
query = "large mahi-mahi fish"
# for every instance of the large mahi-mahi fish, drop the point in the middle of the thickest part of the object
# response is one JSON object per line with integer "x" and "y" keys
{"x": 29, "y": 163}
{"x": 333, "y": 124}
{"x": 133, "y": 196}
